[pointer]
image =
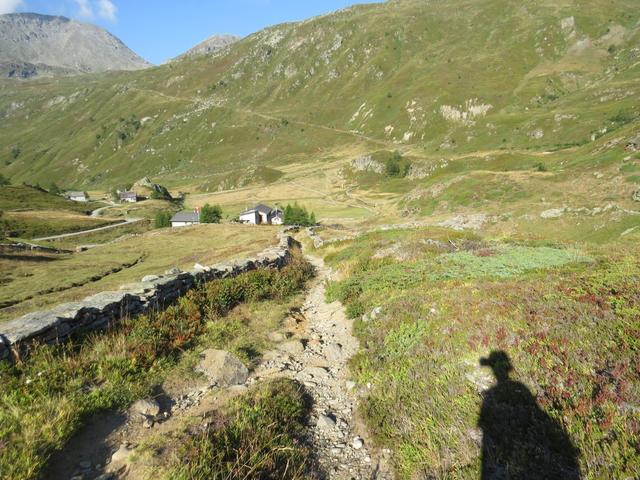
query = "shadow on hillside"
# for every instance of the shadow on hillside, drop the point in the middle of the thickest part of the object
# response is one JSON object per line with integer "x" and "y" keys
{"x": 28, "y": 258}
{"x": 520, "y": 441}
{"x": 90, "y": 444}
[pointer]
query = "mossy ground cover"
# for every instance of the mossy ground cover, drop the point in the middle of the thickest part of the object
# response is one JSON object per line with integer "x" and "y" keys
{"x": 566, "y": 317}
{"x": 46, "y": 397}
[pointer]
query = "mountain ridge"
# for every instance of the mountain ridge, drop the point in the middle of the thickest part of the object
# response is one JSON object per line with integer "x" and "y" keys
{"x": 33, "y": 44}
{"x": 524, "y": 84}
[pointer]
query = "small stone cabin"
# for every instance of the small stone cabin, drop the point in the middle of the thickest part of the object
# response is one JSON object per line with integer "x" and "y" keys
{"x": 262, "y": 215}
{"x": 184, "y": 219}
{"x": 77, "y": 196}
{"x": 129, "y": 197}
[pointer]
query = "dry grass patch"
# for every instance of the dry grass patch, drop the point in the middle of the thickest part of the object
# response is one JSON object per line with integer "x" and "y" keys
{"x": 30, "y": 281}
{"x": 43, "y": 223}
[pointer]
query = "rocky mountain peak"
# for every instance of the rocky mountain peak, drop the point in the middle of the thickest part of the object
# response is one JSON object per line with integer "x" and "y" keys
{"x": 32, "y": 44}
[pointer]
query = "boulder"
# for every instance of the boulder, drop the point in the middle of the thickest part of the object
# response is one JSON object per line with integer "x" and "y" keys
{"x": 120, "y": 459}
{"x": 633, "y": 145}
{"x": 333, "y": 352}
{"x": 326, "y": 422}
{"x": 147, "y": 407}
{"x": 293, "y": 347}
{"x": 222, "y": 368}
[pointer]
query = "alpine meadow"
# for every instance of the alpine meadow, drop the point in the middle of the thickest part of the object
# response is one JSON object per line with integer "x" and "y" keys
{"x": 396, "y": 241}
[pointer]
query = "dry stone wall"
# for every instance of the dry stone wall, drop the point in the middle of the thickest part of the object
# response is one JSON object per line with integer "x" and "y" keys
{"x": 152, "y": 293}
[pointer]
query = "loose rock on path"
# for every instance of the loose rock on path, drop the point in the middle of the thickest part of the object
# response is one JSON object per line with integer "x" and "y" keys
{"x": 317, "y": 357}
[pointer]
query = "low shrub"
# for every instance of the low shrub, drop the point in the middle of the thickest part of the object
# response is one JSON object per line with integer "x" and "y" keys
{"x": 568, "y": 323}
{"x": 162, "y": 220}
{"x": 397, "y": 166}
{"x": 46, "y": 398}
{"x": 261, "y": 435}
{"x": 211, "y": 214}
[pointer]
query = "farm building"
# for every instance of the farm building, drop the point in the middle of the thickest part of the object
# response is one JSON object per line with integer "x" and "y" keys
{"x": 77, "y": 196}
{"x": 262, "y": 215}
{"x": 184, "y": 219}
{"x": 130, "y": 197}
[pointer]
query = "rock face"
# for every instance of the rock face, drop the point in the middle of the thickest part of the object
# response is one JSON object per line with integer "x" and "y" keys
{"x": 33, "y": 44}
{"x": 210, "y": 45}
{"x": 146, "y": 187}
{"x": 553, "y": 213}
{"x": 223, "y": 368}
{"x": 633, "y": 145}
{"x": 366, "y": 163}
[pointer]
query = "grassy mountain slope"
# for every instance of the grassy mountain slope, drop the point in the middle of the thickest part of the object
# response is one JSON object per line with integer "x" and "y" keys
{"x": 487, "y": 91}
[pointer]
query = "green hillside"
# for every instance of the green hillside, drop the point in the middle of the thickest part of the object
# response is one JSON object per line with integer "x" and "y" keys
{"x": 436, "y": 80}
{"x": 475, "y": 169}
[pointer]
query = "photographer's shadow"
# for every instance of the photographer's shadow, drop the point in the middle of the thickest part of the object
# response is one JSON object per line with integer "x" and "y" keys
{"x": 520, "y": 441}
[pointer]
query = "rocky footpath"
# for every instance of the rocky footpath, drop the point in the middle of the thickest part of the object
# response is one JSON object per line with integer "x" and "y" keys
{"x": 152, "y": 293}
{"x": 315, "y": 352}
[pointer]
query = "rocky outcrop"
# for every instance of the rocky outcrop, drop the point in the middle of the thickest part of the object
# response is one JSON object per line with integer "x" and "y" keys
{"x": 366, "y": 163}
{"x": 154, "y": 292}
{"x": 633, "y": 145}
{"x": 146, "y": 187}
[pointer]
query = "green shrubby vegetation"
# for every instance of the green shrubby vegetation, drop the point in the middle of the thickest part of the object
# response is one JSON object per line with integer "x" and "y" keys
{"x": 397, "y": 166}
{"x": 45, "y": 399}
{"x": 54, "y": 189}
{"x": 210, "y": 213}
{"x": 15, "y": 153}
{"x": 262, "y": 435}
{"x": 298, "y": 215}
{"x": 162, "y": 220}
{"x": 568, "y": 321}
{"x": 540, "y": 167}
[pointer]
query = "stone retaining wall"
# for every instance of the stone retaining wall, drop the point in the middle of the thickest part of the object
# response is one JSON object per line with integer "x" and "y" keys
{"x": 20, "y": 247}
{"x": 152, "y": 293}
{"x": 318, "y": 242}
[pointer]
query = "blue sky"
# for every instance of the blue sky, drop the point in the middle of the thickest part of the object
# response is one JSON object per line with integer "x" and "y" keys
{"x": 161, "y": 29}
